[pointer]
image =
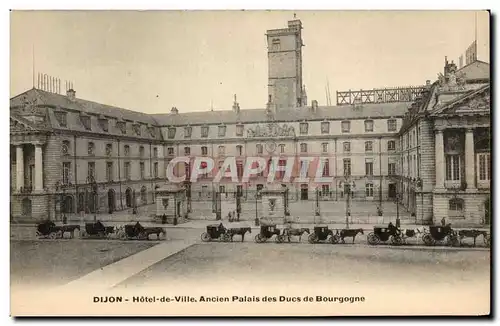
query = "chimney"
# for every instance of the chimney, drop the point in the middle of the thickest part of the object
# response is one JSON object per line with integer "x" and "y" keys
{"x": 70, "y": 93}
{"x": 314, "y": 105}
{"x": 174, "y": 110}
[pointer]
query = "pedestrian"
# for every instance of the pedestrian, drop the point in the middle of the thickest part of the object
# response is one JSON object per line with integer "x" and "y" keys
{"x": 443, "y": 222}
{"x": 229, "y": 217}
{"x": 164, "y": 219}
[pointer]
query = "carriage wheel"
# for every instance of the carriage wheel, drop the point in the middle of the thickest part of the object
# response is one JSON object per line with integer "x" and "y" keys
{"x": 52, "y": 235}
{"x": 373, "y": 239}
{"x": 280, "y": 239}
{"x": 312, "y": 238}
{"x": 396, "y": 240}
{"x": 427, "y": 239}
{"x": 122, "y": 235}
{"x": 226, "y": 237}
{"x": 205, "y": 237}
{"x": 258, "y": 238}
{"x": 335, "y": 239}
{"x": 452, "y": 241}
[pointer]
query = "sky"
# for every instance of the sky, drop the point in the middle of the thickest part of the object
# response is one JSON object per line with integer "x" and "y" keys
{"x": 150, "y": 61}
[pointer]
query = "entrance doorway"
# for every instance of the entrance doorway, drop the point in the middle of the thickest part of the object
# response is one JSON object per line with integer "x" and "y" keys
{"x": 111, "y": 201}
{"x": 392, "y": 190}
{"x": 68, "y": 205}
{"x": 304, "y": 192}
{"x": 178, "y": 209}
{"x": 128, "y": 197}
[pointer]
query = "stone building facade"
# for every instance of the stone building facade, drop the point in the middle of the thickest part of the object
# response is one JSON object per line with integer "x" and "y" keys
{"x": 445, "y": 148}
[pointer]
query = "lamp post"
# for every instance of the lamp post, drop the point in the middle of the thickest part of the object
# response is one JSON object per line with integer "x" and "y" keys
{"x": 349, "y": 189}
{"x": 398, "y": 221}
{"x": 256, "y": 204}
{"x": 317, "y": 213}
{"x": 93, "y": 185}
{"x": 62, "y": 186}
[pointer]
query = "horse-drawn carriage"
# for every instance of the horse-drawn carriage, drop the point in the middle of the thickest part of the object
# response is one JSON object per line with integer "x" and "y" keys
{"x": 384, "y": 234}
{"x": 138, "y": 232}
{"x": 321, "y": 234}
{"x": 97, "y": 230}
{"x": 267, "y": 232}
{"x": 215, "y": 232}
{"x": 441, "y": 234}
{"x": 462, "y": 234}
{"x": 49, "y": 230}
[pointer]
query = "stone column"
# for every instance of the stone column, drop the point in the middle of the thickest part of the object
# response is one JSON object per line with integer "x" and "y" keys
{"x": 38, "y": 168}
{"x": 439, "y": 159}
{"x": 19, "y": 167}
{"x": 469, "y": 160}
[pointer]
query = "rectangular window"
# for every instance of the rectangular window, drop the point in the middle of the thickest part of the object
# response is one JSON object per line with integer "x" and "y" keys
{"x": 222, "y": 150}
{"x": 204, "y": 131}
{"x": 326, "y": 168}
{"x": 369, "y": 189}
{"x": 368, "y": 146}
{"x": 155, "y": 170}
{"x": 239, "y": 150}
{"x": 222, "y": 131}
{"x": 369, "y": 167}
{"x": 155, "y": 152}
{"x": 204, "y": 150}
{"x": 141, "y": 167}
{"x": 91, "y": 170}
{"x": 127, "y": 170}
{"x": 66, "y": 172}
{"x": 282, "y": 148}
{"x": 324, "y": 147}
{"x": 452, "y": 167}
{"x": 170, "y": 151}
{"x": 109, "y": 171}
{"x": 239, "y": 169}
{"x": 325, "y": 127}
{"x": 391, "y": 145}
{"x": 484, "y": 166}
{"x": 126, "y": 150}
{"x": 304, "y": 126}
{"x": 391, "y": 169}
{"x": 391, "y": 125}
{"x": 303, "y": 148}
{"x": 187, "y": 151}
{"x": 260, "y": 149}
{"x": 346, "y": 126}
{"x": 187, "y": 132}
{"x": 347, "y": 147}
{"x": 368, "y": 125}
{"x": 347, "y": 167}
{"x": 239, "y": 130}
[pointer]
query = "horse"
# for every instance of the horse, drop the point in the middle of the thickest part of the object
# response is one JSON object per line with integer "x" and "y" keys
{"x": 239, "y": 231}
{"x": 410, "y": 233}
{"x": 295, "y": 232}
{"x": 471, "y": 234}
{"x": 348, "y": 233}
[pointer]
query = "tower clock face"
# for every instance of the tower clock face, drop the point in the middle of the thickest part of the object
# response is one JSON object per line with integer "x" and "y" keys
{"x": 270, "y": 146}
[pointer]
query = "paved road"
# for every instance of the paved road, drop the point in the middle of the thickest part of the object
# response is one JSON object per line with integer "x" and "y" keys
{"x": 307, "y": 264}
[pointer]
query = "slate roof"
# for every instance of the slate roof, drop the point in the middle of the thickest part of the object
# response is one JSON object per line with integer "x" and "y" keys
{"x": 81, "y": 105}
{"x": 285, "y": 115}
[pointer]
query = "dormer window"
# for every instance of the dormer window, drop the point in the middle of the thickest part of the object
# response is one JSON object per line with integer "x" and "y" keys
{"x": 239, "y": 130}
{"x": 222, "y": 131}
{"x": 121, "y": 125}
{"x": 61, "y": 117}
{"x": 85, "y": 119}
{"x": 204, "y": 131}
{"x": 103, "y": 123}
{"x": 152, "y": 131}
{"x": 188, "y": 131}
{"x": 137, "y": 128}
{"x": 171, "y": 132}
